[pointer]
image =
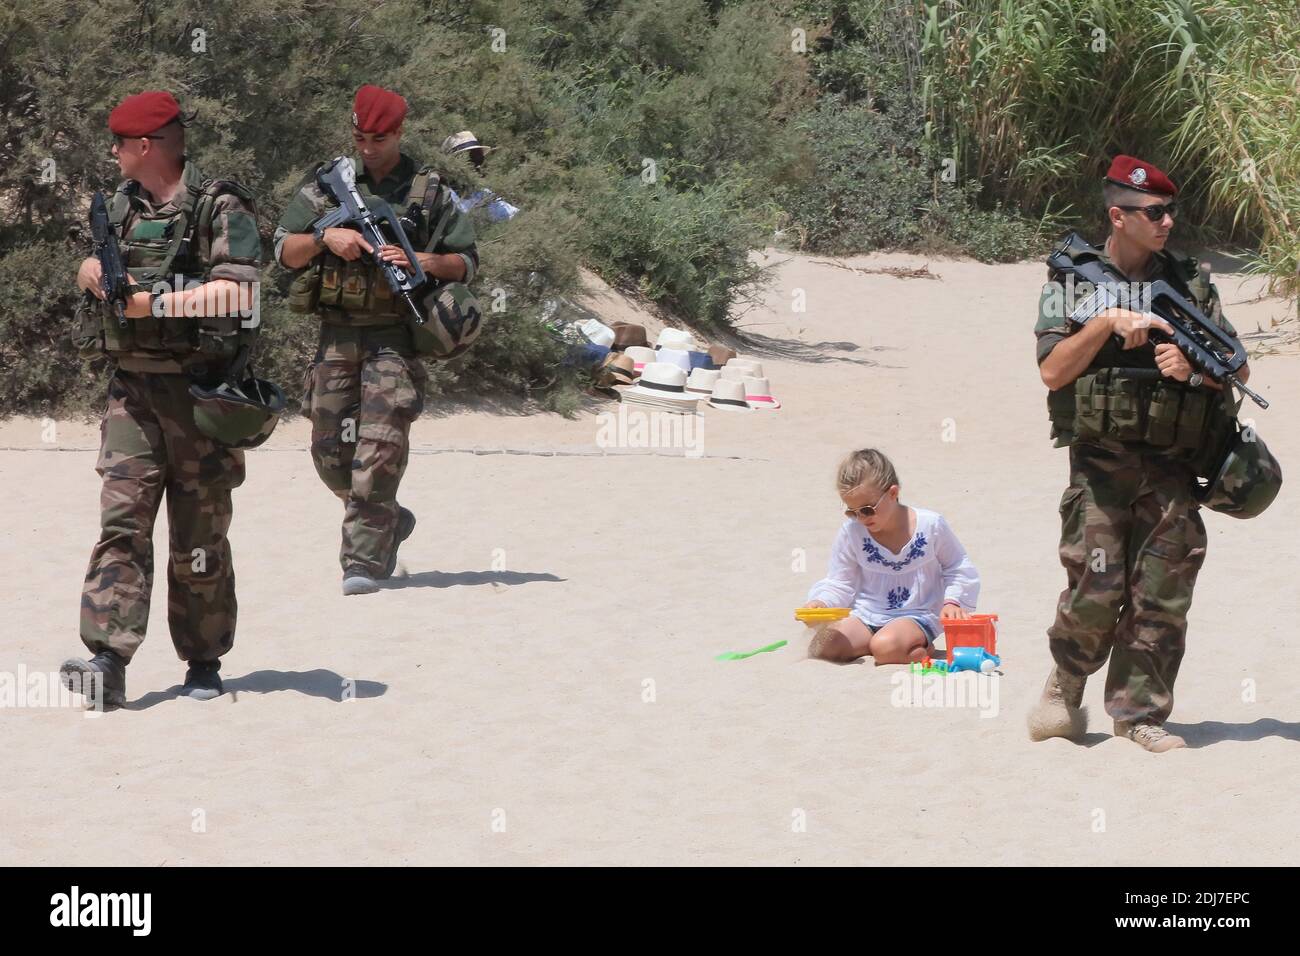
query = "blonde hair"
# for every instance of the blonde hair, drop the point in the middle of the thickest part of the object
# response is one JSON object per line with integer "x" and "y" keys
{"x": 866, "y": 466}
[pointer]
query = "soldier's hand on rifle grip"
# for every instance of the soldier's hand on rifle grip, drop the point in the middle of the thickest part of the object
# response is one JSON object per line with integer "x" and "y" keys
{"x": 395, "y": 253}
{"x": 1134, "y": 327}
{"x": 1172, "y": 362}
{"x": 89, "y": 274}
{"x": 346, "y": 243}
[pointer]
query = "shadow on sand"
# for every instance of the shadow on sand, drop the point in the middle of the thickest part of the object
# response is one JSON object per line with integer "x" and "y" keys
{"x": 313, "y": 683}
{"x": 451, "y": 579}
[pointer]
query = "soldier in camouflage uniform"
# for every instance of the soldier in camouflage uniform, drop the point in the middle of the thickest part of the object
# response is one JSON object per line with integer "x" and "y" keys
{"x": 366, "y": 384}
{"x": 170, "y": 220}
{"x": 1135, "y": 417}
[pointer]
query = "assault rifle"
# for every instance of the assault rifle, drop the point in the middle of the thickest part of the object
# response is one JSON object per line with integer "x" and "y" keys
{"x": 112, "y": 270}
{"x": 1207, "y": 346}
{"x": 338, "y": 181}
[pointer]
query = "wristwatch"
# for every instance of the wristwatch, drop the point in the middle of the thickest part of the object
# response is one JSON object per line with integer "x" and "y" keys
{"x": 319, "y": 235}
{"x": 1195, "y": 379}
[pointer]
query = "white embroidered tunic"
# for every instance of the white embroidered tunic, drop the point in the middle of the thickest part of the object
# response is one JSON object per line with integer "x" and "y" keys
{"x": 881, "y": 585}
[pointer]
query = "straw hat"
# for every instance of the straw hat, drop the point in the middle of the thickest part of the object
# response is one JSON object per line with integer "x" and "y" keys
{"x": 617, "y": 370}
{"x": 679, "y": 357}
{"x": 459, "y": 142}
{"x": 675, "y": 339}
{"x": 700, "y": 360}
{"x": 759, "y": 393}
{"x": 641, "y": 355}
{"x": 741, "y": 369}
{"x": 629, "y": 333}
{"x": 701, "y": 380}
{"x": 720, "y": 355}
{"x": 729, "y": 395}
{"x": 662, "y": 386}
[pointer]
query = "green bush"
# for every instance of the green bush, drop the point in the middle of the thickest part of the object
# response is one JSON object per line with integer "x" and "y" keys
{"x": 688, "y": 250}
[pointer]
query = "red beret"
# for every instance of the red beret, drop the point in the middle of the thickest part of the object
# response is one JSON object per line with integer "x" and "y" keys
{"x": 376, "y": 110}
{"x": 1133, "y": 173}
{"x": 143, "y": 113}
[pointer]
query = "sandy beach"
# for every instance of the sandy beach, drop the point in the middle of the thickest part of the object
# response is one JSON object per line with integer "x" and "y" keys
{"x": 541, "y": 688}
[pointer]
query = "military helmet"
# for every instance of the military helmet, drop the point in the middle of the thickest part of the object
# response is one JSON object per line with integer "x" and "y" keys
{"x": 240, "y": 416}
{"x": 454, "y": 320}
{"x": 1247, "y": 481}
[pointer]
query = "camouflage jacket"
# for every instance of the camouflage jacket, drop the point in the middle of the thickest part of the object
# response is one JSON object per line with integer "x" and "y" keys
{"x": 309, "y": 204}
{"x": 1053, "y": 325}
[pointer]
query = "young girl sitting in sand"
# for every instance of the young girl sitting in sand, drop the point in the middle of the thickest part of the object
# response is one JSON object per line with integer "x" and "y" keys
{"x": 900, "y": 569}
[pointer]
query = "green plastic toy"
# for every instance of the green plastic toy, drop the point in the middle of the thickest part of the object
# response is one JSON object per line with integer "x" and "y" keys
{"x": 741, "y": 655}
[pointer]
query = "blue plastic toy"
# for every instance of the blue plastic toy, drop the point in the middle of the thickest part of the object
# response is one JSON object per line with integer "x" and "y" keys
{"x": 973, "y": 659}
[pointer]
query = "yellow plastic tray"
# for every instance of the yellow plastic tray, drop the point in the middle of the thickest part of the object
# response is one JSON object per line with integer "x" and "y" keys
{"x": 820, "y": 615}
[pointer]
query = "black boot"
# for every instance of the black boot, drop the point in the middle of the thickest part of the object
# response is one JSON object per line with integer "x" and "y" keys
{"x": 405, "y": 525}
{"x": 202, "y": 682}
{"x": 102, "y": 679}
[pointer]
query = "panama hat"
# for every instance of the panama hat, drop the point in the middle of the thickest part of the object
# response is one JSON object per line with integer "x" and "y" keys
{"x": 741, "y": 369}
{"x": 617, "y": 370}
{"x": 720, "y": 355}
{"x": 459, "y": 142}
{"x": 662, "y": 386}
{"x": 700, "y": 360}
{"x": 759, "y": 393}
{"x": 701, "y": 380}
{"x": 675, "y": 339}
{"x": 641, "y": 355}
{"x": 629, "y": 333}
{"x": 729, "y": 395}
{"x": 597, "y": 333}
{"x": 679, "y": 357}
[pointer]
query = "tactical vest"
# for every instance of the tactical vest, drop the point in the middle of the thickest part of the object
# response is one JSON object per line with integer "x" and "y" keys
{"x": 1121, "y": 397}
{"x": 356, "y": 293}
{"x": 158, "y": 248}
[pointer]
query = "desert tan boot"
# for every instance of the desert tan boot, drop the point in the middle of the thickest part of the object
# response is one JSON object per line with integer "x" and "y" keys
{"x": 1059, "y": 712}
{"x": 1152, "y": 737}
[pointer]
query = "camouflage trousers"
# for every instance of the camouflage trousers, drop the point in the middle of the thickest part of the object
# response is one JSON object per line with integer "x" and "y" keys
{"x": 362, "y": 393}
{"x": 149, "y": 447}
{"x": 1132, "y": 543}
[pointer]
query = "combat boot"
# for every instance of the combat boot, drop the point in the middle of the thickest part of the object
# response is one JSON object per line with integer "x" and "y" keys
{"x": 1060, "y": 711}
{"x": 202, "y": 682}
{"x": 357, "y": 581}
{"x": 1152, "y": 737}
{"x": 405, "y": 525}
{"x": 106, "y": 690}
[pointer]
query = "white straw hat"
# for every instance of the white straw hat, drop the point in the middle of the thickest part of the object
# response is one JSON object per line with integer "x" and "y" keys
{"x": 675, "y": 339}
{"x": 679, "y": 357}
{"x": 759, "y": 393}
{"x": 641, "y": 355}
{"x": 701, "y": 380}
{"x": 729, "y": 395}
{"x": 742, "y": 368}
{"x": 662, "y": 386}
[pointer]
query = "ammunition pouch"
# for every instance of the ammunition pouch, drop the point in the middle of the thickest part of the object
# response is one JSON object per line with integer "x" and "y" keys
{"x": 348, "y": 293}
{"x": 304, "y": 291}
{"x": 159, "y": 250}
{"x": 1139, "y": 406}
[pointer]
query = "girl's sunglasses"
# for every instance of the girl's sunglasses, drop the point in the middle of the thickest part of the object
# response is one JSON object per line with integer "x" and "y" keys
{"x": 866, "y": 511}
{"x": 1155, "y": 213}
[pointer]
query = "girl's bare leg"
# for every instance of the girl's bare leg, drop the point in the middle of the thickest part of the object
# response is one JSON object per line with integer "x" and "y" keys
{"x": 901, "y": 641}
{"x": 844, "y": 641}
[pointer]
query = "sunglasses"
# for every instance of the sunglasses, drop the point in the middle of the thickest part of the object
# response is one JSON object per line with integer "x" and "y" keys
{"x": 1155, "y": 213}
{"x": 866, "y": 511}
